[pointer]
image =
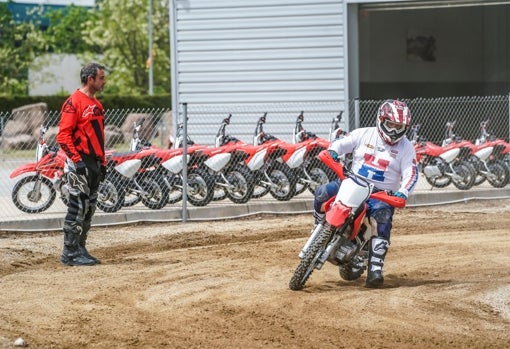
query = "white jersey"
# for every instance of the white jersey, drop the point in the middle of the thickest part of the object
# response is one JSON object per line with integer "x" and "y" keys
{"x": 388, "y": 167}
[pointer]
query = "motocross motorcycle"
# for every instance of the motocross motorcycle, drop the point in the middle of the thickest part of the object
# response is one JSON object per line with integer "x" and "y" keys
{"x": 442, "y": 165}
{"x": 232, "y": 177}
{"x": 200, "y": 183}
{"x": 487, "y": 158}
{"x": 265, "y": 160}
{"x": 142, "y": 183}
{"x": 342, "y": 239}
{"x": 37, "y": 192}
{"x": 503, "y": 150}
{"x": 310, "y": 172}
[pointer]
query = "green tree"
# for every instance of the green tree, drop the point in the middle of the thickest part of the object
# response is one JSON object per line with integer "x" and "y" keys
{"x": 66, "y": 29}
{"x": 120, "y": 29}
{"x": 20, "y": 42}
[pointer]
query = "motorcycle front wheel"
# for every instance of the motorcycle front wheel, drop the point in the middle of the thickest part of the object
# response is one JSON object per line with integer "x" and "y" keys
{"x": 284, "y": 182}
{"x": 156, "y": 192}
{"x": 465, "y": 175}
{"x": 499, "y": 174}
{"x": 110, "y": 197}
{"x": 241, "y": 184}
{"x": 309, "y": 260}
{"x": 200, "y": 187}
{"x": 33, "y": 194}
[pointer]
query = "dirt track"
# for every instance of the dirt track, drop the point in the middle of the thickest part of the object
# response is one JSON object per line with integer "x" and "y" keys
{"x": 225, "y": 285}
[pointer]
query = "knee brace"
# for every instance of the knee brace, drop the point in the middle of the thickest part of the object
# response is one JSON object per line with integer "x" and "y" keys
{"x": 382, "y": 213}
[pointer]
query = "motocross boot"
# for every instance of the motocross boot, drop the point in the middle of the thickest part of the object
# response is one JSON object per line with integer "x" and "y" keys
{"x": 83, "y": 242}
{"x": 376, "y": 252}
{"x": 71, "y": 254}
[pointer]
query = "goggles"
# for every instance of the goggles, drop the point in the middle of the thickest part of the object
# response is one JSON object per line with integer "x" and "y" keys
{"x": 394, "y": 126}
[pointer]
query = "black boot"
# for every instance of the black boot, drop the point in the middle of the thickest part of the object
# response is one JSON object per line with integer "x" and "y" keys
{"x": 83, "y": 249}
{"x": 71, "y": 254}
{"x": 376, "y": 253}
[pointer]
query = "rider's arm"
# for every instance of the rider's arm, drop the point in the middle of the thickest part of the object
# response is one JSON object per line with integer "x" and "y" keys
{"x": 67, "y": 125}
{"x": 410, "y": 171}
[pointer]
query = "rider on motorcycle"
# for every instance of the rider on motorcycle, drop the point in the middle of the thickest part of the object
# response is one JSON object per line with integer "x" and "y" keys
{"x": 383, "y": 155}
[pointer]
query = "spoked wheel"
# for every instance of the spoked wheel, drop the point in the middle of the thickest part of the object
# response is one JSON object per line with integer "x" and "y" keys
{"x": 284, "y": 181}
{"x": 310, "y": 259}
{"x": 320, "y": 174}
{"x": 259, "y": 189}
{"x": 156, "y": 192}
{"x": 200, "y": 188}
{"x": 499, "y": 175}
{"x": 240, "y": 189}
{"x": 110, "y": 197}
{"x": 464, "y": 179}
{"x": 33, "y": 194}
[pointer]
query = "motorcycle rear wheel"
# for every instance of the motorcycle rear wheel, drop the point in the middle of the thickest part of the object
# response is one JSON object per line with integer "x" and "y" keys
{"x": 33, "y": 194}
{"x": 309, "y": 260}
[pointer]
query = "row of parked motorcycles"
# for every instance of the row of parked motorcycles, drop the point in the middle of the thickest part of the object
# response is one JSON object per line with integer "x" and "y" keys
{"x": 461, "y": 162}
{"x": 156, "y": 176}
{"x": 240, "y": 171}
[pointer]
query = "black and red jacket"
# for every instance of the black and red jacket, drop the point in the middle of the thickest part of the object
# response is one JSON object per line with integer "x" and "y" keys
{"x": 81, "y": 127}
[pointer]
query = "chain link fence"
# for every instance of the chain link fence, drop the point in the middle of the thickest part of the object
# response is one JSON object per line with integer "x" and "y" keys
{"x": 240, "y": 153}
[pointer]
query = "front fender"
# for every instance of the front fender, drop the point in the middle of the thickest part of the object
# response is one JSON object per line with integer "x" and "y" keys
{"x": 30, "y": 167}
{"x": 337, "y": 215}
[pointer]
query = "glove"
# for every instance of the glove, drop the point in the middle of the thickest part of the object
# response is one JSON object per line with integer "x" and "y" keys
{"x": 401, "y": 195}
{"x": 81, "y": 168}
{"x": 102, "y": 176}
{"x": 333, "y": 154}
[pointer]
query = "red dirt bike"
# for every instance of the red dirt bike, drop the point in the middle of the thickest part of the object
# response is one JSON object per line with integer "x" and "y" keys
{"x": 488, "y": 158}
{"x": 302, "y": 159}
{"x": 272, "y": 174}
{"x": 342, "y": 239}
{"x": 442, "y": 165}
{"x": 138, "y": 179}
{"x": 37, "y": 192}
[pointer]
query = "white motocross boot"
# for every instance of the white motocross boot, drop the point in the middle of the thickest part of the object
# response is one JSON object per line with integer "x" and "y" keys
{"x": 376, "y": 252}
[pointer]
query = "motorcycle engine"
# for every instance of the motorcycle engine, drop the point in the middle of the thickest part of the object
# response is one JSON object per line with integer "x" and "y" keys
{"x": 345, "y": 251}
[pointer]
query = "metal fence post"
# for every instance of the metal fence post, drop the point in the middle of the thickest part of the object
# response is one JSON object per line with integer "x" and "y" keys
{"x": 184, "y": 162}
{"x": 356, "y": 113}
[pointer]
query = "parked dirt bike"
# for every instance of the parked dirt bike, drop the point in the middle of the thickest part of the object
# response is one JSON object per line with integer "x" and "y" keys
{"x": 265, "y": 160}
{"x": 442, "y": 165}
{"x": 342, "y": 238}
{"x": 336, "y": 132}
{"x": 488, "y": 159}
{"x": 310, "y": 172}
{"x": 144, "y": 183}
{"x": 200, "y": 183}
{"x": 503, "y": 151}
{"x": 232, "y": 177}
{"x": 37, "y": 192}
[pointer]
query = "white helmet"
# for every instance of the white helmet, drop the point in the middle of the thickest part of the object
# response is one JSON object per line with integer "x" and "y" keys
{"x": 393, "y": 120}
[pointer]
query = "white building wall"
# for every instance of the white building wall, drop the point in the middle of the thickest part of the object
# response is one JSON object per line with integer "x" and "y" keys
{"x": 247, "y": 57}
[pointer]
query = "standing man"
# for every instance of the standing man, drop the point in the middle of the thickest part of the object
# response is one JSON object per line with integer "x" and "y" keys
{"x": 81, "y": 136}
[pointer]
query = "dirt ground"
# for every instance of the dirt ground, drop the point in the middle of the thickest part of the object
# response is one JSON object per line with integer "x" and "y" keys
{"x": 224, "y": 284}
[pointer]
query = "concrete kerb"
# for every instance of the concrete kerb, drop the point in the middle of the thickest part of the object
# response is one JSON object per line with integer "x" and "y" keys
{"x": 226, "y": 210}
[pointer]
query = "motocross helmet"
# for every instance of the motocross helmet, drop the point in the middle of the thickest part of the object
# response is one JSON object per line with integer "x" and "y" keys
{"x": 393, "y": 121}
